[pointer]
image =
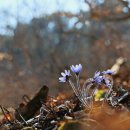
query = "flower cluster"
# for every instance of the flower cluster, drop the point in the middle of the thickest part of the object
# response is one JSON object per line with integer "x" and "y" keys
{"x": 98, "y": 78}
{"x": 83, "y": 93}
{"x": 66, "y": 75}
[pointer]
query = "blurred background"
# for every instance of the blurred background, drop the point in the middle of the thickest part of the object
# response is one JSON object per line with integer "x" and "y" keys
{"x": 40, "y": 38}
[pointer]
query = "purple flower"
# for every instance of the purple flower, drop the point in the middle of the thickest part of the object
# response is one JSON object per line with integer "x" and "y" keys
{"x": 105, "y": 81}
{"x": 65, "y": 76}
{"x": 108, "y": 72}
{"x": 97, "y": 78}
{"x": 76, "y": 69}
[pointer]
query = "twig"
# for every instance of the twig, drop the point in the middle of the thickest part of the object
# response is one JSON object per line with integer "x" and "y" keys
{"x": 21, "y": 117}
{"x": 2, "y": 108}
